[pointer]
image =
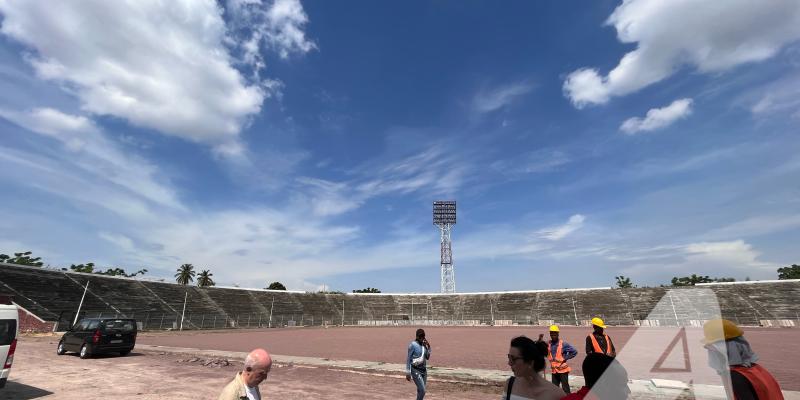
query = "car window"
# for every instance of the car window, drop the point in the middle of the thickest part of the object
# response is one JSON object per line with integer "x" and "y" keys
{"x": 8, "y": 331}
{"x": 125, "y": 325}
{"x": 93, "y": 325}
{"x": 82, "y": 326}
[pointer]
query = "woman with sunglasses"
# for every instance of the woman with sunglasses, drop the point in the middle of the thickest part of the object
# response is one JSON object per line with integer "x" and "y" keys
{"x": 527, "y": 361}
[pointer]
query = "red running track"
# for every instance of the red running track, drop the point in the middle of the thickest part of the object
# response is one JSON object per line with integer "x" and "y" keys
{"x": 456, "y": 347}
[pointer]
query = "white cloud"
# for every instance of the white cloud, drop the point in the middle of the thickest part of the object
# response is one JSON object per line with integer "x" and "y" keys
{"x": 91, "y": 152}
{"x": 559, "y": 232}
{"x": 735, "y": 253}
{"x": 435, "y": 169}
{"x": 331, "y": 198}
{"x": 278, "y": 25}
{"x": 673, "y": 34}
{"x": 72, "y": 130}
{"x": 658, "y": 118}
{"x": 432, "y": 170}
{"x": 287, "y": 19}
{"x": 160, "y": 65}
{"x": 736, "y": 259}
{"x": 123, "y": 242}
{"x": 496, "y": 98}
{"x": 783, "y": 95}
{"x": 757, "y": 226}
{"x": 537, "y": 161}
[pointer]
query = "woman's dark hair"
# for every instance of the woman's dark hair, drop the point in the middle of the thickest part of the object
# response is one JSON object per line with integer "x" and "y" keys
{"x": 420, "y": 332}
{"x": 531, "y": 351}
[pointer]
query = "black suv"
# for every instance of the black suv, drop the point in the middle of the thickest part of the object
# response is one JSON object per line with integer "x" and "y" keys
{"x": 99, "y": 335}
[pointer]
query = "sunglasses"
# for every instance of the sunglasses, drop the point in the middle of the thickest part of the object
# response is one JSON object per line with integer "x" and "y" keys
{"x": 513, "y": 359}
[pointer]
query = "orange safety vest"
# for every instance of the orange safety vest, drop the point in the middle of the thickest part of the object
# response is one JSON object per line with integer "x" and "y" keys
{"x": 596, "y": 345}
{"x": 558, "y": 365}
{"x": 763, "y": 382}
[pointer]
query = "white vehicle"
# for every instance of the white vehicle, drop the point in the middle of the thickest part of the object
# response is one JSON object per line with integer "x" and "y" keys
{"x": 9, "y": 328}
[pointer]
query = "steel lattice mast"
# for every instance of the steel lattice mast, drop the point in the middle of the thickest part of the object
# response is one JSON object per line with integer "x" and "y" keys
{"x": 444, "y": 216}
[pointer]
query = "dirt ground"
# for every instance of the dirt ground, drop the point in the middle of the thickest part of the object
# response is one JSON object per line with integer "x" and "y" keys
{"x": 457, "y": 347}
{"x": 38, "y": 373}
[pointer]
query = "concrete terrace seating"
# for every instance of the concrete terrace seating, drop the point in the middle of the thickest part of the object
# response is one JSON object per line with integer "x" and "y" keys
{"x": 44, "y": 291}
{"x": 750, "y": 302}
{"x": 54, "y": 295}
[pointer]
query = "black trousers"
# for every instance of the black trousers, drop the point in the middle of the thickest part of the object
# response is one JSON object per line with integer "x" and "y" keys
{"x": 562, "y": 380}
{"x": 742, "y": 388}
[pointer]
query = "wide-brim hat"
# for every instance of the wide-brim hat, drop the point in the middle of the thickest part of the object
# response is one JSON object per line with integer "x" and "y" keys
{"x": 716, "y": 330}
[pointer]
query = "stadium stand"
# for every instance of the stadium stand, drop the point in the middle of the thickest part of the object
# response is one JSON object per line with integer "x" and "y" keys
{"x": 54, "y": 295}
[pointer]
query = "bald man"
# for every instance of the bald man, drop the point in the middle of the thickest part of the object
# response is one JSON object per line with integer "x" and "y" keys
{"x": 245, "y": 385}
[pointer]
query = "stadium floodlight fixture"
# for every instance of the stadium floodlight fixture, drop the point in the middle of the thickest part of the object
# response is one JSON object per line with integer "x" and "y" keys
{"x": 444, "y": 216}
{"x": 444, "y": 212}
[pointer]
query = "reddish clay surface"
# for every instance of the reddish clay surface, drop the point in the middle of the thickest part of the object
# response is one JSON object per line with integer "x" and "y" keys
{"x": 464, "y": 347}
{"x": 38, "y": 373}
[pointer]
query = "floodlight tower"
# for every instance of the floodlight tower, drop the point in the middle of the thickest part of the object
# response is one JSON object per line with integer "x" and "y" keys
{"x": 444, "y": 216}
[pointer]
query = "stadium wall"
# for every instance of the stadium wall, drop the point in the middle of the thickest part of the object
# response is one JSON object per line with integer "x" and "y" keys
{"x": 53, "y": 296}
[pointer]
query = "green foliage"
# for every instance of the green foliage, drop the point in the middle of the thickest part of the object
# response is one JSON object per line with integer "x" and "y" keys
{"x": 623, "y": 282}
{"x": 367, "y": 290}
{"x": 690, "y": 280}
{"x": 121, "y": 272}
{"x": 23, "y": 258}
{"x": 695, "y": 279}
{"x": 792, "y": 272}
{"x": 276, "y": 286}
{"x": 204, "y": 278}
{"x": 330, "y": 292}
{"x": 87, "y": 268}
{"x": 185, "y": 274}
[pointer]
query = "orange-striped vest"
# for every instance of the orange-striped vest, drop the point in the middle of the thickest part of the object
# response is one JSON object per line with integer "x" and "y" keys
{"x": 597, "y": 348}
{"x": 557, "y": 363}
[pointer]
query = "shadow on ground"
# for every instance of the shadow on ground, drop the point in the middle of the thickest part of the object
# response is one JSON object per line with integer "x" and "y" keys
{"x": 19, "y": 391}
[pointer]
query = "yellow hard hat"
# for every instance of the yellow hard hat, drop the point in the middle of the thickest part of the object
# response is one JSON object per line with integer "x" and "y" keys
{"x": 599, "y": 322}
{"x": 720, "y": 329}
{"x": 553, "y": 328}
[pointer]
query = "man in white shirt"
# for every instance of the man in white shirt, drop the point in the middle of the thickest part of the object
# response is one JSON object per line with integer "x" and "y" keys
{"x": 245, "y": 385}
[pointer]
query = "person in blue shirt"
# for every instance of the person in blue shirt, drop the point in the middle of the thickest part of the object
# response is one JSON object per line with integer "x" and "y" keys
{"x": 558, "y": 352}
{"x": 419, "y": 352}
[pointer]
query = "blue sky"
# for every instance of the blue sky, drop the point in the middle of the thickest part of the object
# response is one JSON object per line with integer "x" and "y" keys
{"x": 305, "y": 142}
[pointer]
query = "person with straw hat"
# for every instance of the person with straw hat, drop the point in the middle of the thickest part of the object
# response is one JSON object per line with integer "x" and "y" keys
{"x": 598, "y": 341}
{"x": 558, "y": 352}
{"x": 729, "y": 353}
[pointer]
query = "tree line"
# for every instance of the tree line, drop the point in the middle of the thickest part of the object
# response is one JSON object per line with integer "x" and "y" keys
{"x": 790, "y": 272}
{"x": 186, "y": 274}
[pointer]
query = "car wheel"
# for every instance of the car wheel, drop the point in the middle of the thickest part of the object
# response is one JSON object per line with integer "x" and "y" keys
{"x": 124, "y": 353}
{"x": 85, "y": 353}
{"x": 60, "y": 350}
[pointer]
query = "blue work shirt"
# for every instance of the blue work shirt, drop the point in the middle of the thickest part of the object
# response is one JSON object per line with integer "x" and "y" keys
{"x": 567, "y": 350}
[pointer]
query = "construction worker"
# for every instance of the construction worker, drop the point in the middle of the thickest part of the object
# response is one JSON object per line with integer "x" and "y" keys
{"x": 558, "y": 352}
{"x": 731, "y": 356}
{"x": 599, "y": 342}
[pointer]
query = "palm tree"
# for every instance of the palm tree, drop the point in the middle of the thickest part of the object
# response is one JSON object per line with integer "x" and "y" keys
{"x": 185, "y": 274}
{"x": 204, "y": 278}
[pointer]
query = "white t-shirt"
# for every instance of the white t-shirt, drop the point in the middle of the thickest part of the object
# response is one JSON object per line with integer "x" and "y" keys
{"x": 252, "y": 393}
